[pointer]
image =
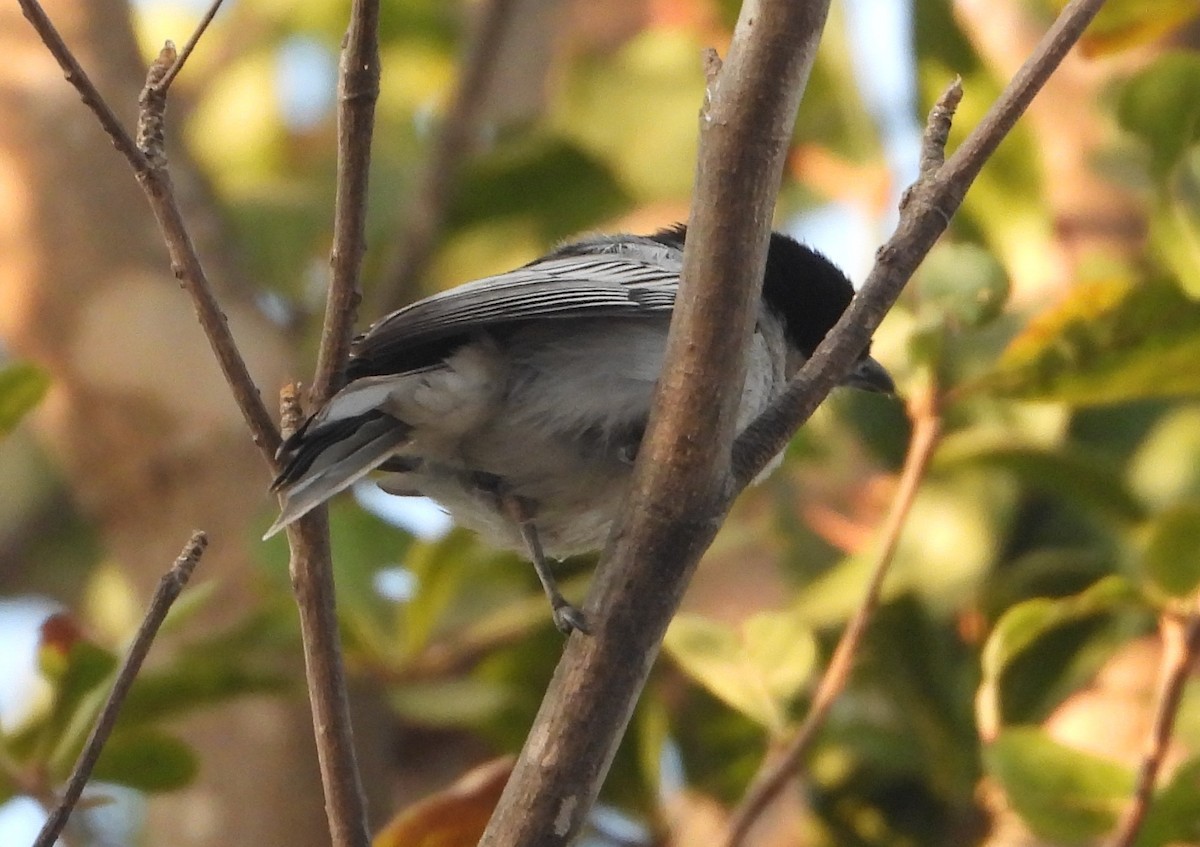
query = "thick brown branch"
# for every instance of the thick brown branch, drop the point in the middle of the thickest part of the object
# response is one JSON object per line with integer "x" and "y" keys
{"x": 169, "y": 588}
{"x": 927, "y": 212}
{"x": 680, "y": 490}
{"x": 456, "y": 140}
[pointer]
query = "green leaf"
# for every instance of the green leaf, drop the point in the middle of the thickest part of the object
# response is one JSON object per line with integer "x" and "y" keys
{"x": 550, "y": 180}
{"x": 963, "y": 284}
{"x": 1109, "y": 342}
{"x": 148, "y": 761}
{"x": 88, "y": 668}
{"x": 1063, "y": 794}
{"x": 1023, "y": 624}
{"x": 1175, "y": 223}
{"x": 194, "y": 683}
{"x": 1161, "y": 106}
{"x": 1068, "y": 472}
{"x": 467, "y": 701}
{"x": 1172, "y": 554}
{"x": 757, "y": 672}
{"x": 21, "y": 387}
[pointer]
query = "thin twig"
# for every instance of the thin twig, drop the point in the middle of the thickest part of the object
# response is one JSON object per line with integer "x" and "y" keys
{"x": 82, "y": 83}
{"x": 456, "y": 139}
{"x": 774, "y": 774}
{"x": 165, "y": 84}
{"x": 309, "y": 540}
{"x": 311, "y": 559}
{"x": 358, "y": 89}
{"x": 1181, "y": 645}
{"x": 169, "y": 588}
{"x": 930, "y": 205}
{"x": 185, "y": 264}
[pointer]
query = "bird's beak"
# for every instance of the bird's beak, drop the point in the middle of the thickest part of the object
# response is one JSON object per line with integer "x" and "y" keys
{"x": 869, "y": 375}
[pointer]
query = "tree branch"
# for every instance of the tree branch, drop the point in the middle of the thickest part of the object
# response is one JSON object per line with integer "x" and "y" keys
{"x": 311, "y": 564}
{"x": 456, "y": 139}
{"x": 186, "y": 52}
{"x": 680, "y": 490}
{"x": 1181, "y": 645}
{"x": 309, "y": 538}
{"x": 930, "y": 204}
{"x": 358, "y": 89}
{"x": 774, "y": 775}
{"x": 155, "y": 181}
{"x": 169, "y": 588}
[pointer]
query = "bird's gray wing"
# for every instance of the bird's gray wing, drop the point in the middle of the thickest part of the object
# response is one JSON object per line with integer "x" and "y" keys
{"x": 573, "y": 286}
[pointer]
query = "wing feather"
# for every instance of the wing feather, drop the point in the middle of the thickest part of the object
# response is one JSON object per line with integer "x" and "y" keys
{"x": 572, "y": 286}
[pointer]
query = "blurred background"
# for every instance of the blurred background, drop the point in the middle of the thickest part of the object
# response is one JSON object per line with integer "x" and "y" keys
{"x": 1006, "y": 687}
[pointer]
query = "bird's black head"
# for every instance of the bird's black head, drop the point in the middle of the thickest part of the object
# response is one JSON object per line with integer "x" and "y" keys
{"x": 810, "y": 293}
{"x": 807, "y": 290}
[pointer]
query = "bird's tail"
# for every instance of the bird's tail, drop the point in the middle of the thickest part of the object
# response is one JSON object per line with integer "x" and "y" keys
{"x": 321, "y": 459}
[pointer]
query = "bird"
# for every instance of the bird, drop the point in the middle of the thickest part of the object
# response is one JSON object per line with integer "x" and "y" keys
{"x": 518, "y": 401}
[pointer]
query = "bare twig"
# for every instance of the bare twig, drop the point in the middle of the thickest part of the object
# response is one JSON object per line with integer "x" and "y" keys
{"x": 169, "y": 588}
{"x": 310, "y": 538}
{"x": 358, "y": 89}
{"x": 774, "y": 775}
{"x": 156, "y": 183}
{"x": 680, "y": 489}
{"x": 1181, "y": 645}
{"x": 456, "y": 139}
{"x": 164, "y": 84}
{"x": 312, "y": 583}
{"x": 82, "y": 83}
{"x": 929, "y": 207}
{"x": 152, "y": 108}
{"x": 311, "y": 559}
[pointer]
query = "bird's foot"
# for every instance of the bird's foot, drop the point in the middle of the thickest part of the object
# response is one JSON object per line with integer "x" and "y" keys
{"x": 568, "y": 619}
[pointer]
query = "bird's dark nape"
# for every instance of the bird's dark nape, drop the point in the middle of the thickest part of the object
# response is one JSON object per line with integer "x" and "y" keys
{"x": 805, "y": 288}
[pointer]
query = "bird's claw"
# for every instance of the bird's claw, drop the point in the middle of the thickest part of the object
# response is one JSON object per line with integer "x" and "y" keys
{"x": 567, "y": 619}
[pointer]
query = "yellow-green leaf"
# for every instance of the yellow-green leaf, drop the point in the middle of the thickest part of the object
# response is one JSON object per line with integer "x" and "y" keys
{"x": 1109, "y": 341}
{"x": 1172, "y": 555}
{"x": 1063, "y": 794}
{"x": 21, "y": 387}
{"x": 757, "y": 671}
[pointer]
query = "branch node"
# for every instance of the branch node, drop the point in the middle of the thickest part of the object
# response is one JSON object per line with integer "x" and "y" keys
{"x": 712, "y": 77}
{"x": 291, "y": 410}
{"x": 151, "y": 125}
{"x": 933, "y": 142}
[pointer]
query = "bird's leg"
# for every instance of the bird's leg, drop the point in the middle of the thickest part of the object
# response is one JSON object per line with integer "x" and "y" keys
{"x": 520, "y": 511}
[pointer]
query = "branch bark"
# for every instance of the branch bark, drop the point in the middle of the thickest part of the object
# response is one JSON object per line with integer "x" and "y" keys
{"x": 311, "y": 564}
{"x": 681, "y": 486}
{"x": 1181, "y": 645}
